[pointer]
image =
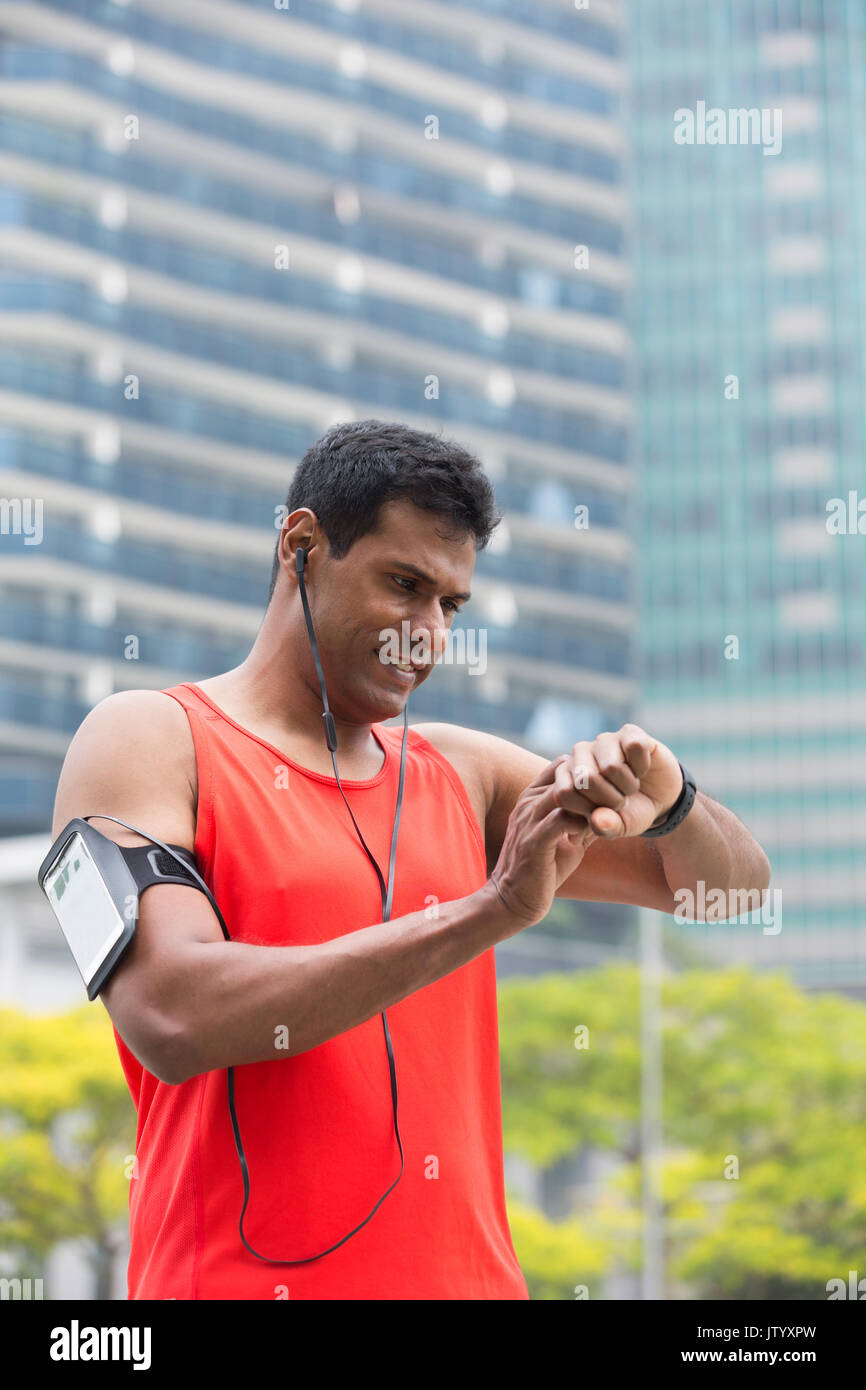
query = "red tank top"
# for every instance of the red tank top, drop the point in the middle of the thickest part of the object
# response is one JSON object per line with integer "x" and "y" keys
{"x": 276, "y": 846}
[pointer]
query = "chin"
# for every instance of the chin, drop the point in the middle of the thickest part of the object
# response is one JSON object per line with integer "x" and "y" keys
{"x": 375, "y": 703}
{"x": 395, "y": 705}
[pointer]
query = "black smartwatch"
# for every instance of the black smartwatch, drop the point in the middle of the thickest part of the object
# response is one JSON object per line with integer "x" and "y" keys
{"x": 680, "y": 809}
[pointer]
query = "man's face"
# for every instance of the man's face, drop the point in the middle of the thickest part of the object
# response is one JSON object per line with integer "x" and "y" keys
{"x": 373, "y": 602}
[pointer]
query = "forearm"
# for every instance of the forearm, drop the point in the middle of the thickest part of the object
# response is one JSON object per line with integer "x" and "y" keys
{"x": 713, "y": 847}
{"x": 245, "y": 1003}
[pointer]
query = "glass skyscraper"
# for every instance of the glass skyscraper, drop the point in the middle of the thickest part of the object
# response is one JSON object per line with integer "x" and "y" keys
{"x": 748, "y": 319}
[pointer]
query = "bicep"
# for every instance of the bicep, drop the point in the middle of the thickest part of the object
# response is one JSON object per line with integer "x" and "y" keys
{"x": 128, "y": 760}
{"x": 147, "y": 996}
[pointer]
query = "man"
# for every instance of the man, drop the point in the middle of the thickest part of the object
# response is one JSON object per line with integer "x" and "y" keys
{"x": 236, "y": 768}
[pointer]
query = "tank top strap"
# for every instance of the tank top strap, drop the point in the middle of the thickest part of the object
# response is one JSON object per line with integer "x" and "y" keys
{"x": 199, "y": 715}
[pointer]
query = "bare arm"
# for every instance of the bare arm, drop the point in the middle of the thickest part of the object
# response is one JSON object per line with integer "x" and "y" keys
{"x": 712, "y": 837}
{"x": 711, "y": 845}
{"x": 236, "y": 1000}
{"x": 184, "y": 999}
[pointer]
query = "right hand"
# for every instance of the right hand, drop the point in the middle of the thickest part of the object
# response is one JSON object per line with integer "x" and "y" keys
{"x": 543, "y": 845}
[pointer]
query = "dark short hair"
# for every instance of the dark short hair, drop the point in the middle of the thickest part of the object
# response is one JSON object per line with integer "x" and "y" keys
{"x": 348, "y": 474}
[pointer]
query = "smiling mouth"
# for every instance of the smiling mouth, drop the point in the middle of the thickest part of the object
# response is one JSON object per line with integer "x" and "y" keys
{"x": 406, "y": 674}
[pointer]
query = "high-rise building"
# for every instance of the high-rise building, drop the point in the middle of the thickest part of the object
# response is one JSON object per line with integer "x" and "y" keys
{"x": 226, "y": 226}
{"x": 749, "y": 181}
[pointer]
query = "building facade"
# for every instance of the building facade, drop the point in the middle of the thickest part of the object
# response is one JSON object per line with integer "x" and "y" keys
{"x": 749, "y": 182}
{"x": 225, "y": 227}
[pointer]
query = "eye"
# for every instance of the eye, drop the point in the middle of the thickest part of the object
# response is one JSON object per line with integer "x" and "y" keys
{"x": 401, "y": 579}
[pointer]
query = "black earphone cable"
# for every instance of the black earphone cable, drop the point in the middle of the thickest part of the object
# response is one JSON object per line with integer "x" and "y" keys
{"x": 331, "y": 736}
{"x": 386, "y": 892}
{"x": 386, "y": 909}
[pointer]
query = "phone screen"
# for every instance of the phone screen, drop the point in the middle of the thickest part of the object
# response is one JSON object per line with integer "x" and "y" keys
{"x": 83, "y": 906}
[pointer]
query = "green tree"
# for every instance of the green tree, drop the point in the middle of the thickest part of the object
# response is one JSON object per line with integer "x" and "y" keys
{"x": 558, "y": 1258}
{"x": 67, "y": 1135}
{"x": 764, "y": 1125}
{"x": 764, "y": 1120}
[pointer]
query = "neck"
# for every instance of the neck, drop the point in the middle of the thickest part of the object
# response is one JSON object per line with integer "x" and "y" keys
{"x": 285, "y": 693}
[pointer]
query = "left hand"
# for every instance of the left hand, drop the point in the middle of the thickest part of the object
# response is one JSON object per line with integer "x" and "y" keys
{"x": 621, "y": 782}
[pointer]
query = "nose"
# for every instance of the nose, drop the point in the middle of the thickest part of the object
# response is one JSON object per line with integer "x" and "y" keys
{"x": 429, "y": 638}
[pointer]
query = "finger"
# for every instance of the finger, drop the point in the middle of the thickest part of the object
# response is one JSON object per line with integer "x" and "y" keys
{"x": 559, "y": 822}
{"x": 547, "y": 773}
{"x": 638, "y": 748}
{"x": 586, "y": 836}
{"x": 564, "y": 793}
{"x": 603, "y": 820}
{"x": 612, "y": 765}
{"x": 589, "y": 779}
{"x": 606, "y": 823}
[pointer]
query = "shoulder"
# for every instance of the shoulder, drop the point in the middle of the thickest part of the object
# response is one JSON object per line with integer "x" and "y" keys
{"x": 479, "y": 757}
{"x": 491, "y": 753}
{"x": 502, "y": 768}
{"x": 450, "y": 739}
{"x": 138, "y": 717}
{"x": 140, "y": 736}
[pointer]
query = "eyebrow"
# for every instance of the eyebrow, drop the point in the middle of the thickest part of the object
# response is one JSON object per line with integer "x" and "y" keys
{"x": 419, "y": 574}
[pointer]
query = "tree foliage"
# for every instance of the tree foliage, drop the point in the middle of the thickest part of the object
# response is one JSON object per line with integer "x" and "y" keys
{"x": 764, "y": 1120}
{"x": 764, "y": 1123}
{"x": 67, "y": 1135}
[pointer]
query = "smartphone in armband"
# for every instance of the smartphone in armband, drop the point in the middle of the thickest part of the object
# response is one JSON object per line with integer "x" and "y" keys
{"x": 93, "y": 886}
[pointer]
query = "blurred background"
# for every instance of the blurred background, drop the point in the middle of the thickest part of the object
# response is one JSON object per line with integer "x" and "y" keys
{"x": 536, "y": 225}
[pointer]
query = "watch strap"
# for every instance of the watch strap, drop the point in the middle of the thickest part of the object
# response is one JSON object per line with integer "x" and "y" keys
{"x": 680, "y": 809}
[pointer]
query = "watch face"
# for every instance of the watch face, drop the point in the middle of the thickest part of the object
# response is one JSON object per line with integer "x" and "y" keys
{"x": 83, "y": 906}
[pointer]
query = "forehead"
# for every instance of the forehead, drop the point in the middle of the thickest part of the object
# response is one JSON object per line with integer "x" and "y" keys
{"x": 426, "y": 538}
